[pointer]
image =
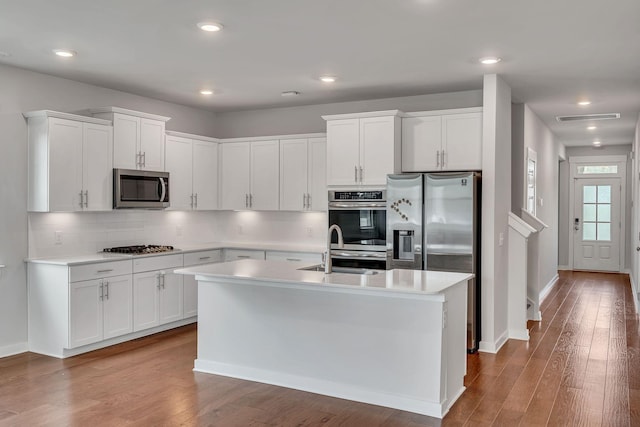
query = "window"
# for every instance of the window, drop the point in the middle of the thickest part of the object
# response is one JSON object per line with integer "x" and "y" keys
{"x": 597, "y": 169}
{"x": 596, "y": 212}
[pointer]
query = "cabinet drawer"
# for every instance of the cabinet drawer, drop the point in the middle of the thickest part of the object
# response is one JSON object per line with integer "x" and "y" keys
{"x": 235, "y": 254}
{"x": 293, "y": 256}
{"x": 202, "y": 257}
{"x": 157, "y": 263}
{"x": 98, "y": 270}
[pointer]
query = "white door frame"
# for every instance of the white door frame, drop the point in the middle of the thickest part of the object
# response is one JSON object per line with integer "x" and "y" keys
{"x": 621, "y": 162}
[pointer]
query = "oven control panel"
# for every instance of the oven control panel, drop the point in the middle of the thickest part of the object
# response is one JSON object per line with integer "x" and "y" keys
{"x": 372, "y": 195}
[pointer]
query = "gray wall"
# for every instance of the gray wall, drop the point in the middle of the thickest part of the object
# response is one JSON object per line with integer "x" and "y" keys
{"x": 308, "y": 119}
{"x": 564, "y": 209}
{"x": 22, "y": 91}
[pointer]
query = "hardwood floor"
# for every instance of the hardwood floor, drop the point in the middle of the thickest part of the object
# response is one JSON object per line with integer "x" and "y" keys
{"x": 581, "y": 367}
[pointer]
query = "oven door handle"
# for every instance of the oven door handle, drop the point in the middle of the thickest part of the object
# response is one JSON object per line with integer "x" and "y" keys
{"x": 358, "y": 255}
{"x": 372, "y": 205}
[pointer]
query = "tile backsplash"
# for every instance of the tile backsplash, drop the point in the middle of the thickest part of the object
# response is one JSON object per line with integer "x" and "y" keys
{"x": 64, "y": 234}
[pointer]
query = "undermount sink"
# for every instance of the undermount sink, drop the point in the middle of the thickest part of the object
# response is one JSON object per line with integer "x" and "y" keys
{"x": 347, "y": 270}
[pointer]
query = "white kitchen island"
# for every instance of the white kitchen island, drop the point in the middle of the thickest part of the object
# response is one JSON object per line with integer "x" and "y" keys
{"x": 396, "y": 338}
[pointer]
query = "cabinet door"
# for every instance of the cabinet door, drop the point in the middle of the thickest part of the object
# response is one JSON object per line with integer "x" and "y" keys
{"x": 97, "y": 167}
{"x": 65, "y": 165}
{"x": 117, "y": 306}
{"x": 462, "y": 141}
{"x": 317, "y": 174}
{"x": 293, "y": 174}
{"x": 190, "y": 296}
{"x": 205, "y": 175}
{"x": 152, "y": 144}
{"x": 235, "y": 175}
{"x": 85, "y": 312}
{"x": 265, "y": 172}
{"x": 170, "y": 297}
{"x": 126, "y": 134}
{"x": 343, "y": 151}
{"x": 421, "y": 143}
{"x": 178, "y": 164}
{"x": 377, "y": 149}
{"x": 145, "y": 300}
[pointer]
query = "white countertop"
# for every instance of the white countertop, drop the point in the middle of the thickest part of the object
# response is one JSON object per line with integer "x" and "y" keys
{"x": 389, "y": 282}
{"x": 81, "y": 259}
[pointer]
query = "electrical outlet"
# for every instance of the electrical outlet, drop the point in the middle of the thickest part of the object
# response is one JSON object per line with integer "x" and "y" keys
{"x": 57, "y": 237}
{"x": 309, "y": 231}
{"x": 500, "y": 239}
{"x": 541, "y": 202}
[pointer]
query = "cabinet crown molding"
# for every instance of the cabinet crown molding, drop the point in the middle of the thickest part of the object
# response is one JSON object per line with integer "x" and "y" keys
{"x": 127, "y": 112}
{"x": 442, "y": 112}
{"x": 274, "y": 137}
{"x": 67, "y": 116}
{"x": 191, "y": 136}
{"x": 363, "y": 115}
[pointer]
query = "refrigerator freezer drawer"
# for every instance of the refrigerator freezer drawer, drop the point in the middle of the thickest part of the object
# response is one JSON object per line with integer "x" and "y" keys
{"x": 462, "y": 263}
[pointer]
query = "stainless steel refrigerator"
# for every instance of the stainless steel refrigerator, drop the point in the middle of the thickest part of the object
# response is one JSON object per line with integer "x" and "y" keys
{"x": 433, "y": 223}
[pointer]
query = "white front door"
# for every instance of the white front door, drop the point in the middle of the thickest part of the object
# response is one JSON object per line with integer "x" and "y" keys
{"x": 596, "y": 224}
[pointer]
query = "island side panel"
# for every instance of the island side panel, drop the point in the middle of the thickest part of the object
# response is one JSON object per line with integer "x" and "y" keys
{"x": 455, "y": 339}
{"x": 384, "y": 350}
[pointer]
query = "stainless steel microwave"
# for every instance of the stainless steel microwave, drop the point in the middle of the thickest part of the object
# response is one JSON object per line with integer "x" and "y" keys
{"x": 140, "y": 189}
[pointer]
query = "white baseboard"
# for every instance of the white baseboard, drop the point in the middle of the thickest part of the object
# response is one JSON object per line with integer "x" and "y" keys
{"x": 493, "y": 347}
{"x": 564, "y": 267}
{"x": 548, "y": 287}
{"x": 519, "y": 334}
{"x": 328, "y": 388}
{"x": 10, "y": 350}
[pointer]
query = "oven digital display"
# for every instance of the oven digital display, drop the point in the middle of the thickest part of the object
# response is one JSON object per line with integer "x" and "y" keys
{"x": 358, "y": 195}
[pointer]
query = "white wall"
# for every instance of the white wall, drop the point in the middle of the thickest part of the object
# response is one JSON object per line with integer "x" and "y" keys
{"x": 634, "y": 241}
{"x": 22, "y": 91}
{"x": 281, "y": 121}
{"x": 529, "y": 132}
{"x": 496, "y": 204}
{"x": 565, "y": 223}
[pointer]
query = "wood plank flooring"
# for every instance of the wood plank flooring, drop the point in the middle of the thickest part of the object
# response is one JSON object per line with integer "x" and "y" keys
{"x": 581, "y": 367}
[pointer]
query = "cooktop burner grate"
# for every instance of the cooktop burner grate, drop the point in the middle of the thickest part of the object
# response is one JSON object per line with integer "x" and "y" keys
{"x": 139, "y": 249}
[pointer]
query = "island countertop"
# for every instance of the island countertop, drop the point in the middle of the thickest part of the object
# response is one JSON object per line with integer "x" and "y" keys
{"x": 404, "y": 283}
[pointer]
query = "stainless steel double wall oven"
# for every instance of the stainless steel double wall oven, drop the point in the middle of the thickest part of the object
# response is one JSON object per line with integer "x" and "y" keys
{"x": 362, "y": 216}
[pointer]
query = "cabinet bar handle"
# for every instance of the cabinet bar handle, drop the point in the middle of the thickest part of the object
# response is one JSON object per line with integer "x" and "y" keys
{"x": 294, "y": 259}
{"x": 101, "y": 291}
{"x": 81, "y": 199}
{"x": 105, "y": 271}
{"x": 86, "y": 198}
{"x": 438, "y": 158}
{"x": 202, "y": 258}
{"x": 244, "y": 256}
{"x": 309, "y": 201}
{"x": 442, "y": 158}
{"x": 355, "y": 173}
{"x": 191, "y": 200}
{"x": 361, "y": 174}
{"x": 250, "y": 200}
{"x": 246, "y": 200}
{"x": 196, "y": 200}
{"x": 144, "y": 159}
{"x": 106, "y": 285}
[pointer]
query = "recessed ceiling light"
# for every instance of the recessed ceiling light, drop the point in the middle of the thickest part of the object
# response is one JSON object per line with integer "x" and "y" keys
{"x": 490, "y": 60}
{"x": 65, "y": 53}
{"x": 592, "y": 128}
{"x": 210, "y": 26}
{"x": 206, "y": 92}
{"x": 584, "y": 103}
{"x": 596, "y": 143}
{"x": 290, "y": 93}
{"x": 328, "y": 79}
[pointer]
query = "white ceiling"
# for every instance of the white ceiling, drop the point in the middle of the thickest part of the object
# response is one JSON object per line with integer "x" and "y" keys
{"x": 554, "y": 52}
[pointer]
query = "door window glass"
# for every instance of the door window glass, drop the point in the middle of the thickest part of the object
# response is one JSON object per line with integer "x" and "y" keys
{"x": 596, "y": 212}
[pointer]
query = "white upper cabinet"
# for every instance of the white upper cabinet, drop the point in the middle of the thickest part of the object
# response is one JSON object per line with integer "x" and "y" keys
{"x": 362, "y": 148}
{"x": 303, "y": 174}
{"x": 70, "y": 166}
{"x": 249, "y": 174}
{"x": 442, "y": 141}
{"x": 193, "y": 171}
{"x": 138, "y": 138}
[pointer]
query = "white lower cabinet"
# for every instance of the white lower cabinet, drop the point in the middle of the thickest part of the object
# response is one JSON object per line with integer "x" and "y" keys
{"x": 157, "y": 294}
{"x": 190, "y": 284}
{"x": 237, "y": 254}
{"x": 99, "y": 309}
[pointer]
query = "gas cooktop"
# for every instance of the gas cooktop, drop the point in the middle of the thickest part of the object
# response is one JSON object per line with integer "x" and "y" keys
{"x": 139, "y": 249}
